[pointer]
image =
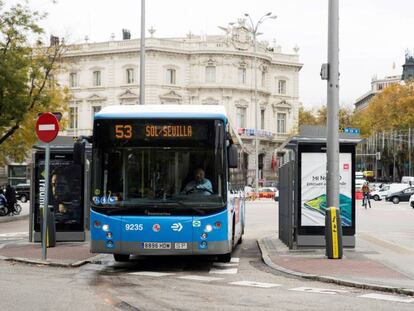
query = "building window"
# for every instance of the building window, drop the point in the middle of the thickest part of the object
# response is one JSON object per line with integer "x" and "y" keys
{"x": 282, "y": 86}
{"x": 170, "y": 76}
{"x": 210, "y": 74}
{"x": 281, "y": 122}
{"x": 241, "y": 117}
{"x": 263, "y": 78}
{"x": 242, "y": 75}
{"x": 130, "y": 76}
{"x": 262, "y": 119}
{"x": 73, "y": 118}
{"x": 97, "y": 78}
{"x": 95, "y": 110}
{"x": 17, "y": 174}
{"x": 73, "y": 79}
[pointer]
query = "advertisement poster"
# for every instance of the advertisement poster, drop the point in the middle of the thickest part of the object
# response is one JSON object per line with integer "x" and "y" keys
{"x": 313, "y": 192}
{"x": 65, "y": 192}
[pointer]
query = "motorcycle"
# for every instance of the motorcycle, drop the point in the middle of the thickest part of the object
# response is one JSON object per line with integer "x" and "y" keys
{"x": 16, "y": 211}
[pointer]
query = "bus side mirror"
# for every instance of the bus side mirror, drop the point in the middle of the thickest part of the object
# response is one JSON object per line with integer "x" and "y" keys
{"x": 79, "y": 152}
{"x": 233, "y": 157}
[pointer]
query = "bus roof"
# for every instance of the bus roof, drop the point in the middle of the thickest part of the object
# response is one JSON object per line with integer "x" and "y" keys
{"x": 163, "y": 111}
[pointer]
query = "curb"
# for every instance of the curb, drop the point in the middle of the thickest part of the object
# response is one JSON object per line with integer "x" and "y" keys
{"x": 13, "y": 218}
{"x": 95, "y": 259}
{"x": 329, "y": 279}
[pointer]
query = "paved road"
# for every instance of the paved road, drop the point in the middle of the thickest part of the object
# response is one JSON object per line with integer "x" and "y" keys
{"x": 189, "y": 283}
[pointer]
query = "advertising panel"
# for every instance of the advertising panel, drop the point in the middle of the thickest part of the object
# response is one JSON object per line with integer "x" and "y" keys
{"x": 65, "y": 191}
{"x": 313, "y": 189}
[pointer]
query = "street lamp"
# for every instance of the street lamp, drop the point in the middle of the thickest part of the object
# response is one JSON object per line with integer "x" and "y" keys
{"x": 253, "y": 29}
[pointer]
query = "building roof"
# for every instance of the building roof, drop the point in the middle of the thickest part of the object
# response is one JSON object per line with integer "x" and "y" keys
{"x": 163, "y": 111}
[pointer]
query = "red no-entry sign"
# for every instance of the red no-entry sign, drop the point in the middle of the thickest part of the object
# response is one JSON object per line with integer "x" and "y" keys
{"x": 47, "y": 127}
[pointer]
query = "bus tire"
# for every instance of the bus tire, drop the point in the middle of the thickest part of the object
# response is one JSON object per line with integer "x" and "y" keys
{"x": 121, "y": 257}
{"x": 224, "y": 257}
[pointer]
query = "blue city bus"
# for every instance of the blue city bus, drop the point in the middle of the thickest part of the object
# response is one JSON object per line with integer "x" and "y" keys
{"x": 147, "y": 195}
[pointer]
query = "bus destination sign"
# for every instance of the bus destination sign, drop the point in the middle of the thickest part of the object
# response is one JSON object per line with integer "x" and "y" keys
{"x": 156, "y": 131}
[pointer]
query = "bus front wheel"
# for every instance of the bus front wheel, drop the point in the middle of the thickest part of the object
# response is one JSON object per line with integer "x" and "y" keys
{"x": 224, "y": 257}
{"x": 121, "y": 257}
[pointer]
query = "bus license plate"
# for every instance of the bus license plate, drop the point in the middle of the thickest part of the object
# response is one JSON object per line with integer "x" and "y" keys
{"x": 180, "y": 245}
{"x": 156, "y": 245}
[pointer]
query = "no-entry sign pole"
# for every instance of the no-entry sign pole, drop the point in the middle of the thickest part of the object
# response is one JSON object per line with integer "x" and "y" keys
{"x": 47, "y": 128}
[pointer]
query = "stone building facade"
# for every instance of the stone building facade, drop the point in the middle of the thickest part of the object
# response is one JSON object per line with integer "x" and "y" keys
{"x": 205, "y": 70}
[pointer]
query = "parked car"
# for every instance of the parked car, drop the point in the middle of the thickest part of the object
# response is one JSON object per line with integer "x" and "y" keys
{"x": 386, "y": 190}
{"x": 380, "y": 194}
{"x": 407, "y": 180}
{"x": 267, "y": 192}
{"x": 22, "y": 192}
{"x": 412, "y": 201}
{"x": 401, "y": 196}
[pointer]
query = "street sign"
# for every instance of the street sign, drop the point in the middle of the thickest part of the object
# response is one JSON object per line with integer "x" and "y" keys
{"x": 47, "y": 127}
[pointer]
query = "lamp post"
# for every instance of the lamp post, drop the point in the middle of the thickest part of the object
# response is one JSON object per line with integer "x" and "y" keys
{"x": 253, "y": 29}
{"x": 142, "y": 57}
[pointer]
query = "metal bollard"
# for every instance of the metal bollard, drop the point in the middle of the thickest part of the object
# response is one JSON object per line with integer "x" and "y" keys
{"x": 333, "y": 233}
{"x": 51, "y": 228}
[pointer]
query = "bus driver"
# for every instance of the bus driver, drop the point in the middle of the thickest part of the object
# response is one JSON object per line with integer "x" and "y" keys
{"x": 200, "y": 184}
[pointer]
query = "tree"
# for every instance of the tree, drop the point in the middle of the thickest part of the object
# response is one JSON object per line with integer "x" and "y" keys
{"x": 27, "y": 86}
{"x": 392, "y": 109}
{"x": 318, "y": 116}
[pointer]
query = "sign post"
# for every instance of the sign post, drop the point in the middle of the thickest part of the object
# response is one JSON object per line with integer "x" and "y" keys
{"x": 47, "y": 128}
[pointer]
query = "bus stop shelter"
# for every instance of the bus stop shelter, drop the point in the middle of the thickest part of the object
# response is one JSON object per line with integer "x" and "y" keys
{"x": 68, "y": 190}
{"x": 302, "y": 188}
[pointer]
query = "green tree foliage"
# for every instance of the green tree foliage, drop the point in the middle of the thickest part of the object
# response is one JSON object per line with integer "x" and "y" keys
{"x": 27, "y": 86}
{"x": 318, "y": 116}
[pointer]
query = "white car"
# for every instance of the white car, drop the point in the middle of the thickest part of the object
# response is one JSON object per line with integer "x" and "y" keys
{"x": 380, "y": 194}
{"x": 412, "y": 201}
{"x": 386, "y": 190}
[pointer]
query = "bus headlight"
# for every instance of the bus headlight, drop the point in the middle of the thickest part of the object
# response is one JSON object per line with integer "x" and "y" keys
{"x": 110, "y": 244}
{"x": 96, "y": 224}
{"x": 204, "y": 235}
{"x": 208, "y": 228}
{"x": 109, "y": 235}
{"x": 105, "y": 227}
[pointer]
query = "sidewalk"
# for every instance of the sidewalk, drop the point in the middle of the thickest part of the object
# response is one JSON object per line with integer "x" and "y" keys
{"x": 64, "y": 254}
{"x": 363, "y": 267}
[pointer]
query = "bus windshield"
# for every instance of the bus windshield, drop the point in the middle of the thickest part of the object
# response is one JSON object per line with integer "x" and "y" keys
{"x": 148, "y": 170}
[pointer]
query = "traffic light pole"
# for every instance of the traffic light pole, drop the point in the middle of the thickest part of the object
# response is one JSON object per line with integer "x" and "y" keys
{"x": 332, "y": 185}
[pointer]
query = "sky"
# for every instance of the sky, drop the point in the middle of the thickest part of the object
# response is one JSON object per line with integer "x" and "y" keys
{"x": 374, "y": 34}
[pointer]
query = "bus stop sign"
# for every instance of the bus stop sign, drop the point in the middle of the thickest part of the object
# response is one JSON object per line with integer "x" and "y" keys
{"x": 47, "y": 127}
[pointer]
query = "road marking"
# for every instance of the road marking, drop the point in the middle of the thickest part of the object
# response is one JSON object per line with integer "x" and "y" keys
{"x": 152, "y": 273}
{"x": 199, "y": 278}
{"x": 14, "y": 234}
{"x": 319, "y": 290}
{"x": 224, "y": 271}
{"x": 225, "y": 264}
{"x": 388, "y": 298}
{"x": 255, "y": 284}
{"x": 234, "y": 260}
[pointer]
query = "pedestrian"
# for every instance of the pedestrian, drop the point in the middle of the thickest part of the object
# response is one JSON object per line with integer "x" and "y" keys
{"x": 11, "y": 199}
{"x": 366, "y": 193}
